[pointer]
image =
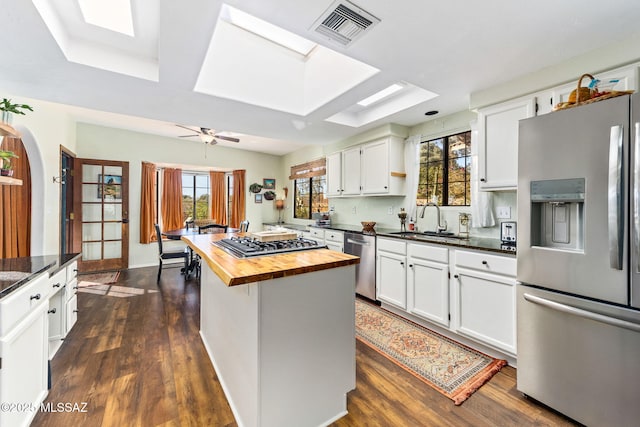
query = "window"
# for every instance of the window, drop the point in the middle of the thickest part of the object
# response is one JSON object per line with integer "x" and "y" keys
{"x": 445, "y": 168}
{"x": 195, "y": 195}
{"x": 310, "y": 196}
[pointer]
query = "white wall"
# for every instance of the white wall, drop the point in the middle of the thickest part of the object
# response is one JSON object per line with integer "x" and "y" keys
{"x": 97, "y": 142}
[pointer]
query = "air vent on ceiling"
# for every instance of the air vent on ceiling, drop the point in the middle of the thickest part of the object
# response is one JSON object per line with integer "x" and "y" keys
{"x": 344, "y": 22}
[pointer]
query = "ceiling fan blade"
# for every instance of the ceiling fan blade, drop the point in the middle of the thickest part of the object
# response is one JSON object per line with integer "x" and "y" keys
{"x": 187, "y": 128}
{"x": 187, "y": 136}
{"x": 226, "y": 138}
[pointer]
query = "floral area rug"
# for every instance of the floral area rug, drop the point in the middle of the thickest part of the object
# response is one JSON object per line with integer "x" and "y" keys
{"x": 453, "y": 369}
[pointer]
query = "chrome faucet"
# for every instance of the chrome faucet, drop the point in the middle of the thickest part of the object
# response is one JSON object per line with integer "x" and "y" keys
{"x": 439, "y": 227}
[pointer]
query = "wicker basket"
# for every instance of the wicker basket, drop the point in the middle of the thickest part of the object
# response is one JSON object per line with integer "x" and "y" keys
{"x": 612, "y": 94}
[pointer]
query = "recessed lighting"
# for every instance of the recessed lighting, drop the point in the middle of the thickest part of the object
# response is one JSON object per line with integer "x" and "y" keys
{"x": 267, "y": 30}
{"x": 114, "y": 15}
{"x": 388, "y": 91}
{"x": 431, "y": 113}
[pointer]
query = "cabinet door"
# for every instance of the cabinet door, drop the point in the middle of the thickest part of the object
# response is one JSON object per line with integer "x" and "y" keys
{"x": 351, "y": 172}
{"x": 428, "y": 289}
{"x": 334, "y": 174}
{"x": 391, "y": 279}
{"x": 334, "y": 246}
{"x": 72, "y": 312}
{"x": 375, "y": 167}
{"x": 498, "y": 143}
{"x": 23, "y": 378}
{"x": 487, "y": 308}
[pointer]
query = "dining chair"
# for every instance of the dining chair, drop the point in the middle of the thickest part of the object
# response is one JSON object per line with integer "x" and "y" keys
{"x": 212, "y": 228}
{"x": 244, "y": 226}
{"x": 162, "y": 254}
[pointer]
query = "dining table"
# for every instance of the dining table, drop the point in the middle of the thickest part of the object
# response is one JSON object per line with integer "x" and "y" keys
{"x": 194, "y": 260}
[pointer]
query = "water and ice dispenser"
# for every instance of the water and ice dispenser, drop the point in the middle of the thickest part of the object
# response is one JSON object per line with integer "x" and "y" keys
{"x": 557, "y": 213}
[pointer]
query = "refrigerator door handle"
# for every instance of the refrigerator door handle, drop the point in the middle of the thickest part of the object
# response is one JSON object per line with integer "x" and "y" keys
{"x": 636, "y": 196}
{"x": 612, "y": 321}
{"x": 615, "y": 198}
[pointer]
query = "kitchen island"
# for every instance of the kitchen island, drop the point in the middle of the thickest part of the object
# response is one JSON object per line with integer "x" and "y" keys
{"x": 280, "y": 332}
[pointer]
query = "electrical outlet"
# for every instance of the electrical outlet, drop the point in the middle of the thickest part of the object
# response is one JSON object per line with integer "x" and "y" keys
{"x": 332, "y": 209}
{"x": 390, "y": 210}
{"x": 353, "y": 210}
{"x": 503, "y": 212}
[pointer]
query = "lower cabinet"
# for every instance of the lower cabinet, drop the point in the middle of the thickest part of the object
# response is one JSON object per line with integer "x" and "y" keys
{"x": 428, "y": 283}
{"x": 24, "y": 351}
{"x": 469, "y": 292}
{"x": 486, "y": 298}
{"x": 334, "y": 240}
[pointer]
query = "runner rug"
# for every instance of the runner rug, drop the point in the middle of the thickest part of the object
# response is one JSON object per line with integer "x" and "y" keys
{"x": 108, "y": 277}
{"x": 453, "y": 369}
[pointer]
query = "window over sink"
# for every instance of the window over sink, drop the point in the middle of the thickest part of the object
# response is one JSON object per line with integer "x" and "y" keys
{"x": 445, "y": 170}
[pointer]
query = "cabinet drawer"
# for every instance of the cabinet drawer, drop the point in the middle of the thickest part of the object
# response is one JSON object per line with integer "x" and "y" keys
{"x": 72, "y": 270}
{"x": 57, "y": 281}
{"x": 17, "y": 305}
{"x": 392, "y": 245}
{"x": 71, "y": 289}
{"x": 484, "y": 262}
{"x": 334, "y": 236}
{"x": 72, "y": 313}
{"x": 427, "y": 252}
{"x": 316, "y": 233}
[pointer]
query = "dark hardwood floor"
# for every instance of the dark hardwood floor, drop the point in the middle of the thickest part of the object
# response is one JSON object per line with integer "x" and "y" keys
{"x": 135, "y": 357}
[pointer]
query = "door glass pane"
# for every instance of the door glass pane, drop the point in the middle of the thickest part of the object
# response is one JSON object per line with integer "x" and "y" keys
{"x": 92, "y": 231}
{"x": 91, "y": 212}
{"x": 113, "y": 170}
{"x": 90, "y": 173}
{"x": 91, "y": 251}
{"x": 112, "y": 250}
{"x": 91, "y": 192}
{"x": 112, "y": 231}
{"x": 112, "y": 212}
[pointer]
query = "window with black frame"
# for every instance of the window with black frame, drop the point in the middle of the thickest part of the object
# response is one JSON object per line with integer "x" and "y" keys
{"x": 445, "y": 170}
{"x": 310, "y": 196}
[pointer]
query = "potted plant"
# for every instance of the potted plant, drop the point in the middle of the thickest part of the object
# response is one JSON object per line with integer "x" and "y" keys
{"x": 8, "y": 108}
{"x": 5, "y": 168}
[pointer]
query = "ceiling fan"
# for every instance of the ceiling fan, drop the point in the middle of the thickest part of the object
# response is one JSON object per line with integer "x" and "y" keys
{"x": 207, "y": 135}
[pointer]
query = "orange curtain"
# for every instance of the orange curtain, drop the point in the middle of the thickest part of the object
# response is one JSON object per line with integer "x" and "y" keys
{"x": 148, "y": 203}
{"x": 15, "y": 205}
{"x": 238, "y": 207}
{"x": 217, "y": 197}
{"x": 171, "y": 202}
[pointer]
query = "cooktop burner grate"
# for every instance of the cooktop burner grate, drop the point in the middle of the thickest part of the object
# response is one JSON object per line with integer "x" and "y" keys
{"x": 243, "y": 247}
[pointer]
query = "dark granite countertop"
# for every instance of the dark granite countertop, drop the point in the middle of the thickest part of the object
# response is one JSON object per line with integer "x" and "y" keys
{"x": 15, "y": 272}
{"x": 479, "y": 243}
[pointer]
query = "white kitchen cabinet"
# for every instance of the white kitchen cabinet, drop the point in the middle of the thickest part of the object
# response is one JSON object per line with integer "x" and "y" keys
{"x": 371, "y": 169}
{"x": 334, "y": 240}
{"x": 428, "y": 282}
{"x": 24, "y": 351}
{"x": 498, "y": 143}
{"x": 485, "y": 286}
{"x": 71, "y": 311}
{"x": 391, "y": 275}
{"x": 57, "y": 311}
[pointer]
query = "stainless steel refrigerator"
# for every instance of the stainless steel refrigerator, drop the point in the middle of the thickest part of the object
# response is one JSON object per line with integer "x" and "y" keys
{"x": 578, "y": 292}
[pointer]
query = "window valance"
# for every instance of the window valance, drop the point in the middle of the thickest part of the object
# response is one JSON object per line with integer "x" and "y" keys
{"x": 307, "y": 170}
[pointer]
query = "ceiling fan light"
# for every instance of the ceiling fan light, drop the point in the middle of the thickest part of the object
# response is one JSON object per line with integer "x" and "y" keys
{"x": 206, "y": 138}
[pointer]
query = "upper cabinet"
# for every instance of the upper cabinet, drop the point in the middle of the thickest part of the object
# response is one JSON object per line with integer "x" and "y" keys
{"x": 372, "y": 169}
{"x": 498, "y": 143}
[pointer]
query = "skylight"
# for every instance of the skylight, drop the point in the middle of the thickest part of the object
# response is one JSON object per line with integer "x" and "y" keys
{"x": 114, "y": 15}
{"x": 384, "y": 93}
{"x": 267, "y": 30}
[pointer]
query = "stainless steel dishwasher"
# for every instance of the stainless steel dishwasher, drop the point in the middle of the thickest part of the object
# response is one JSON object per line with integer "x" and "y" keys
{"x": 364, "y": 246}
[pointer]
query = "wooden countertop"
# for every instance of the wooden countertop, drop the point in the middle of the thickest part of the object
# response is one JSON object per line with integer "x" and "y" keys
{"x": 238, "y": 271}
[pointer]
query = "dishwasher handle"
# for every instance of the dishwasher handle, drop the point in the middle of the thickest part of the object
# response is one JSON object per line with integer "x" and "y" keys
{"x": 358, "y": 242}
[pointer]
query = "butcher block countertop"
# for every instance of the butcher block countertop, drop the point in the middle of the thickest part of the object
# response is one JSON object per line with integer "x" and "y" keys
{"x": 238, "y": 271}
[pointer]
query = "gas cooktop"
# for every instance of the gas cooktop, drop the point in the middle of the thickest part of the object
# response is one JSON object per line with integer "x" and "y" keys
{"x": 244, "y": 247}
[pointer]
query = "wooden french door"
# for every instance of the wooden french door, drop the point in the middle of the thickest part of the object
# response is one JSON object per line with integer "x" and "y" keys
{"x": 101, "y": 202}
